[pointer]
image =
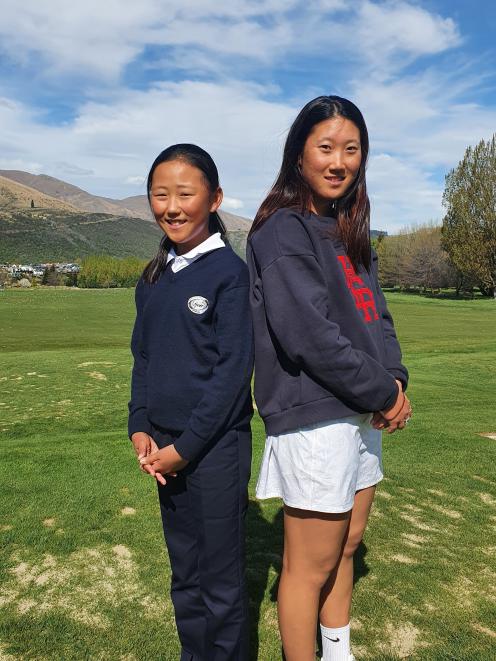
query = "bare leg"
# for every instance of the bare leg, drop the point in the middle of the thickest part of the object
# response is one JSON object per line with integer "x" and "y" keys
{"x": 313, "y": 543}
{"x": 335, "y": 598}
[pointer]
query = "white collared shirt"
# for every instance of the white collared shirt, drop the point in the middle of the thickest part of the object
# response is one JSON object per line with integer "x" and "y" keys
{"x": 182, "y": 261}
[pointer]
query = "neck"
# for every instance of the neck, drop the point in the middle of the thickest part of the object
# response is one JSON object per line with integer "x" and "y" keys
{"x": 182, "y": 248}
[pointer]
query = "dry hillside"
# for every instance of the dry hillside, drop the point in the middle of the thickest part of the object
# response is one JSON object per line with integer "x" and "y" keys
{"x": 14, "y": 195}
{"x": 76, "y": 197}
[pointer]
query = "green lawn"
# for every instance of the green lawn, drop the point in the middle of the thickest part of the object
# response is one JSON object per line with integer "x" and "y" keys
{"x": 83, "y": 571}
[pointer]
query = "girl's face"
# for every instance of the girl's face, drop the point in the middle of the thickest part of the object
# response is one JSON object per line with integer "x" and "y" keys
{"x": 181, "y": 202}
{"x": 330, "y": 161}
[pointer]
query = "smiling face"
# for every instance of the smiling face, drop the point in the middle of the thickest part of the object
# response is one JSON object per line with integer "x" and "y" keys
{"x": 330, "y": 161}
{"x": 181, "y": 202}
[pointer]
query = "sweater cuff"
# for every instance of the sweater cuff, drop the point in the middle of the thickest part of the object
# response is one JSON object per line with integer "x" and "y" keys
{"x": 139, "y": 422}
{"x": 401, "y": 376}
{"x": 189, "y": 445}
{"x": 391, "y": 400}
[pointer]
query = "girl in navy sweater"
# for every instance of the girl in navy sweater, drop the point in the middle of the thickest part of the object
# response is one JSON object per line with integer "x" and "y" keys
{"x": 328, "y": 371}
{"x": 190, "y": 408}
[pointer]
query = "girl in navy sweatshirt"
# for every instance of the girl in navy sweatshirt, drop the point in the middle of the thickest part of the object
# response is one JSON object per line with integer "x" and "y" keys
{"x": 190, "y": 408}
{"x": 328, "y": 371}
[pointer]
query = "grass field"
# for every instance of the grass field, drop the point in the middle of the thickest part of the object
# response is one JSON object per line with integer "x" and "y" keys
{"x": 83, "y": 571}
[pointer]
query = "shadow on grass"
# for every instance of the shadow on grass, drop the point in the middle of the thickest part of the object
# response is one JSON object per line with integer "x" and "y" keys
{"x": 264, "y": 553}
{"x": 264, "y": 545}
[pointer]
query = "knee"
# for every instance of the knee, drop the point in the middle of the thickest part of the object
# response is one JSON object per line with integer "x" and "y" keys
{"x": 314, "y": 573}
{"x": 352, "y": 543}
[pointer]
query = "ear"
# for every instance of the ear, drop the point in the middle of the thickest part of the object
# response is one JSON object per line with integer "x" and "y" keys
{"x": 217, "y": 198}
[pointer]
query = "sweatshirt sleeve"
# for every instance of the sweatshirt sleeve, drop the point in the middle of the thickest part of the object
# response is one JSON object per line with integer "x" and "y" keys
{"x": 138, "y": 419}
{"x": 393, "y": 351}
{"x": 231, "y": 375}
{"x": 295, "y": 298}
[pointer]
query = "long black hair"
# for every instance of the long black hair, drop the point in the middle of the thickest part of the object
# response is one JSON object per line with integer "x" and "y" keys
{"x": 198, "y": 158}
{"x": 291, "y": 190}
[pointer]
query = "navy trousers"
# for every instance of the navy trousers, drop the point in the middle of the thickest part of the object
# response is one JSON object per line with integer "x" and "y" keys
{"x": 203, "y": 514}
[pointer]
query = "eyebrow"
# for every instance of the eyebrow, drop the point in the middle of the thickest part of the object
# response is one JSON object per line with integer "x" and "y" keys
{"x": 159, "y": 186}
{"x": 333, "y": 139}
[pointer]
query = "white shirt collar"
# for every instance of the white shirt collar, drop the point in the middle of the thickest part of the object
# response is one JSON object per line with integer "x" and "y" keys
{"x": 213, "y": 242}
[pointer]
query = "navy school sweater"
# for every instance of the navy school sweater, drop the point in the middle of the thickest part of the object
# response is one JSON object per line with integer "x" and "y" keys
{"x": 193, "y": 352}
{"x": 325, "y": 345}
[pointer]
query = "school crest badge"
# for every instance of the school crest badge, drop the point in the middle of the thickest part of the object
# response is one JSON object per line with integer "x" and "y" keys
{"x": 198, "y": 304}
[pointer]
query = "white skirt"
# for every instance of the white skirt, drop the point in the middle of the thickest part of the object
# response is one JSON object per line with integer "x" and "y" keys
{"x": 321, "y": 467}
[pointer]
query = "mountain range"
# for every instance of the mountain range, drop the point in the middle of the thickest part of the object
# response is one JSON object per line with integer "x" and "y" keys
{"x": 46, "y": 219}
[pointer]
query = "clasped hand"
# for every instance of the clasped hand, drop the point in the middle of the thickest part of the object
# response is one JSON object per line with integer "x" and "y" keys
{"x": 397, "y": 416}
{"x": 155, "y": 462}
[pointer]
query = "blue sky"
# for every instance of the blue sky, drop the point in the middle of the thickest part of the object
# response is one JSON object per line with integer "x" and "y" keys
{"x": 91, "y": 93}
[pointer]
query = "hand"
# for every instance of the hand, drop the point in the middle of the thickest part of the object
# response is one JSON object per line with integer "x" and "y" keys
{"x": 395, "y": 417}
{"x": 166, "y": 461}
{"x": 378, "y": 422}
{"x": 143, "y": 444}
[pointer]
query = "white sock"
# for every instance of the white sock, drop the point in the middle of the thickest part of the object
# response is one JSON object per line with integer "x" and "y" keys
{"x": 335, "y": 643}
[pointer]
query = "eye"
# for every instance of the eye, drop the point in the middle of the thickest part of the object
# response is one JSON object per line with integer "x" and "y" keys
{"x": 186, "y": 194}
{"x": 325, "y": 147}
{"x": 352, "y": 149}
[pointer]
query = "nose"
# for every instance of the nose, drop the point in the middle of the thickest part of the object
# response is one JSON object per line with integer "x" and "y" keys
{"x": 172, "y": 207}
{"x": 336, "y": 160}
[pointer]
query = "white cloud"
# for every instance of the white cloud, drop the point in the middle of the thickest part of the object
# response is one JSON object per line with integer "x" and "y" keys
{"x": 117, "y": 140}
{"x": 232, "y": 203}
{"x": 98, "y": 40}
{"x": 70, "y": 169}
{"x": 386, "y": 30}
{"x": 401, "y": 194}
{"x": 419, "y": 123}
{"x": 138, "y": 180}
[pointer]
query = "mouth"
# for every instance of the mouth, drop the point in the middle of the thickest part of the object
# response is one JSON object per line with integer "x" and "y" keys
{"x": 175, "y": 222}
{"x": 334, "y": 180}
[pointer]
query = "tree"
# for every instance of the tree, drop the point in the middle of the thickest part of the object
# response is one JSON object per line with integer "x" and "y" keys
{"x": 52, "y": 278}
{"x": 469, "y": 227}
{"x": 415, "y": 259}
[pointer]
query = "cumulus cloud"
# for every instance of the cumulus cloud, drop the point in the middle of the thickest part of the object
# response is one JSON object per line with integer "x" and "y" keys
{"x": 99, "y": 40}
{"x": 119, "y": 139}
{"x": 401, "y": 194}
{"x": 419, "y": 123}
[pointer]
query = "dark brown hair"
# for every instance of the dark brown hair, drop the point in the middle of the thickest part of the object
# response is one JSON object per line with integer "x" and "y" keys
{"x": 291, "y": 190}
{"x": 198, "y": 158}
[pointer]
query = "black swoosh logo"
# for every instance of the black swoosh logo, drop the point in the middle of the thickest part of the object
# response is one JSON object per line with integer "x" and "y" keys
{"x": 333, "y": 640}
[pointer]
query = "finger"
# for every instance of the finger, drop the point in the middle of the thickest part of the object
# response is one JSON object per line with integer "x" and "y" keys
{"x": 149, "y": 470}
{"x": 160, "y": 479}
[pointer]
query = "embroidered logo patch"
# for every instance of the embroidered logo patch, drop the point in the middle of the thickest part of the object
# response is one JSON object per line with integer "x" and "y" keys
{"x": 198, "y": 304}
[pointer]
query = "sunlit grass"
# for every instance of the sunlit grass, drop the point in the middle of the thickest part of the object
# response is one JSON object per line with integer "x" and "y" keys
{"x": 84, "y": 573}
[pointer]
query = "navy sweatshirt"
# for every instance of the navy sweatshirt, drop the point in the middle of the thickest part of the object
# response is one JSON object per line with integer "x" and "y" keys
{"x": 193, "y": 352}
{"x": 325, "y": 345}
